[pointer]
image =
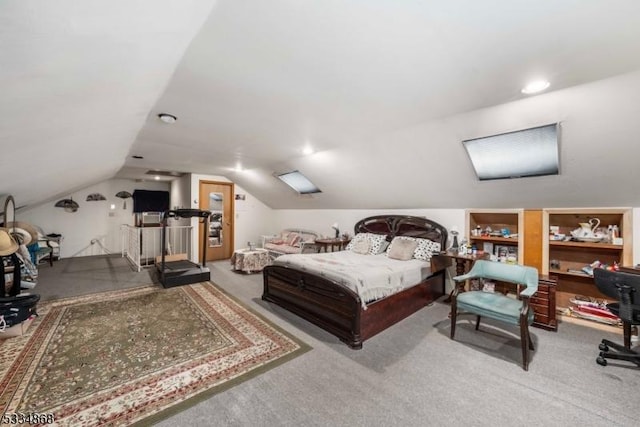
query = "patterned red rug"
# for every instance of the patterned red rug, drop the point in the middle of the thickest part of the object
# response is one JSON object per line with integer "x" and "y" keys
{"x": 143, "y": 354}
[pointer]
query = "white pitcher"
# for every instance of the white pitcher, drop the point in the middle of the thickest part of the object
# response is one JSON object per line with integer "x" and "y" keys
{"x": 587, "y": 229}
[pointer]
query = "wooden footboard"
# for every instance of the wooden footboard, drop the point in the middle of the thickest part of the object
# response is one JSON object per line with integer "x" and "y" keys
{"x": 337, "y": 309}
{"x": 323, "y": 302}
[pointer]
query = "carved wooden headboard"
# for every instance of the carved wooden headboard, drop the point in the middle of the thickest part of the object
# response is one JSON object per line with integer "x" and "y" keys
{"x": 403, "y": 225}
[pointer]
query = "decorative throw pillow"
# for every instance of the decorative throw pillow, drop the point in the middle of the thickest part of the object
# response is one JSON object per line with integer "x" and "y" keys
{"x": 402, "y": 249}
{"x": 377, "y": 242}
{"x": 424, "y": 250}
{"x": 357, "y": 238}
{"x": 361, "y": 247}
{"x": 293, "y": 239}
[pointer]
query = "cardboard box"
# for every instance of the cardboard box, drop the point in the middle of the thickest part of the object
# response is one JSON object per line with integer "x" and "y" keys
{"x": 17, "y": 330}
{"x": 169, "y": 258}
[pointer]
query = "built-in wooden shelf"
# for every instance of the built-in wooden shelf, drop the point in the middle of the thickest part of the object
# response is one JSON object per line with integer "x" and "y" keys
{"x": 513, "y": 241}
{"x": 569, "y": 273}
{"x": 573, "y": 255}
{"x": 585, "y": 245}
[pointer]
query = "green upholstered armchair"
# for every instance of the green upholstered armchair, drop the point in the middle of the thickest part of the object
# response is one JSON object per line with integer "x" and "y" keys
{"x": 515, "y": 311}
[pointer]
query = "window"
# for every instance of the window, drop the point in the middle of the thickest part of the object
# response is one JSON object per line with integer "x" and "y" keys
{"x": 299, "y": 182}
{"x": 529, "y": 152}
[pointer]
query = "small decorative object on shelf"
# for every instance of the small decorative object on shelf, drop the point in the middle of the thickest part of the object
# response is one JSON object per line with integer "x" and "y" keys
{"x": 463, "y": 248}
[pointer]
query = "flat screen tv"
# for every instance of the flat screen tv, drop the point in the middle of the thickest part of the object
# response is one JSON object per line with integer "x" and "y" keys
{"x": 519, "y": 154}
{"x": 150, "y": 201}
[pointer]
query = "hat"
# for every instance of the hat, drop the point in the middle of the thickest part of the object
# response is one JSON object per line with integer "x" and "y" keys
{"x": 7, "y": 244}
{"x": 27, "y": 233}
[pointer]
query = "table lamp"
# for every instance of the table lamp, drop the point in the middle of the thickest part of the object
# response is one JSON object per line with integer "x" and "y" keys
{"x": 454, "y": 232}
{"x": 335, "y": 227}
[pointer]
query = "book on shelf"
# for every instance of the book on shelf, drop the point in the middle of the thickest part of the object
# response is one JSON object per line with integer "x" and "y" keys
{"x": 579, "y": 271}
{"x": 588, "y": 269}
{"x": 487, "y": 247}
{"x": 591, "y": 309}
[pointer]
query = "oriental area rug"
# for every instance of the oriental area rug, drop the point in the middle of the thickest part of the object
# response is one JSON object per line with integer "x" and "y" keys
{"x": 136, "y": 355}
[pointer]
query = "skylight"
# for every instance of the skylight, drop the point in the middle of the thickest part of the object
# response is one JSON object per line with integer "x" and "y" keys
{"x": 299, "y": 182}
{"x": 524, "y": 153}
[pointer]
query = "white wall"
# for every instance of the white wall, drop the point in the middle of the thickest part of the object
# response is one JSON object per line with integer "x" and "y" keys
{"x": 181, "y": 196}
{"x": 181, "y": 192}
{"x": 636, "y": 234}
{"x": 93, "y": 220}
{"x": 321, "y": 220}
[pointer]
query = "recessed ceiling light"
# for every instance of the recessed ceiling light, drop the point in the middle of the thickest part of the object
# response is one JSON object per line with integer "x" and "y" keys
{"x": 156, "y": 177}
{"x": 307, "y": 150}
{"x": 167, "y": 118}
{"x": 535, "y": 87}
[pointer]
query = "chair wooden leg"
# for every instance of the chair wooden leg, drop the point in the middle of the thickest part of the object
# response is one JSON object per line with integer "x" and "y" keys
{"x": 626, "y": 328}
{"x": 531, "y": 347}
{"x": 51, "y": 259}
{"x": 477, "y": 322}
{"x": 454, "y": 314}
{"x": 524, "y": 341}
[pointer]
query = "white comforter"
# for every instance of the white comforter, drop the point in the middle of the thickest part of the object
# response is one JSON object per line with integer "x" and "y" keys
{"x": 371, "y": 276}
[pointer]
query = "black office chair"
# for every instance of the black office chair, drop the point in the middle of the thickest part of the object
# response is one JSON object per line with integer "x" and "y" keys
{"x": 624, "y": 287}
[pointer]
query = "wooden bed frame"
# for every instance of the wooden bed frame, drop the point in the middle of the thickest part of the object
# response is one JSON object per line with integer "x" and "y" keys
{"x": 337, "y": 309}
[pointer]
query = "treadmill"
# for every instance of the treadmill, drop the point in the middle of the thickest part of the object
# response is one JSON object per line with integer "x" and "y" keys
{"x": 183, "y": 272}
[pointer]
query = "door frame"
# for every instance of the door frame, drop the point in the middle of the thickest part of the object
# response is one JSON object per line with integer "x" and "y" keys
{"x": 200, "y": 231}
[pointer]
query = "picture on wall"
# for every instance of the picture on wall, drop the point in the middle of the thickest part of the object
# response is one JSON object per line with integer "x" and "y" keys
{"x": 240, "y": 201}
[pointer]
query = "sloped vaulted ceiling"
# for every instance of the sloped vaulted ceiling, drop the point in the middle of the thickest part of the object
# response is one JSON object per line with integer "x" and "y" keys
{"x": 78, "y": 79}
{"x": 384, "y": 90}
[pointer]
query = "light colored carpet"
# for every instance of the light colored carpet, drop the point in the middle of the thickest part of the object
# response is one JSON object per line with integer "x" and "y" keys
{"x": 413, "y": 375}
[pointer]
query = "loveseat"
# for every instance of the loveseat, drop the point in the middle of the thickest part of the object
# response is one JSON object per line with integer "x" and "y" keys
{"x": 291, "y": 241}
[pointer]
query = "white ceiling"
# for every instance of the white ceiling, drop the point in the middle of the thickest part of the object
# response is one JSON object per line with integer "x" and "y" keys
{"x": 384, "y": 90}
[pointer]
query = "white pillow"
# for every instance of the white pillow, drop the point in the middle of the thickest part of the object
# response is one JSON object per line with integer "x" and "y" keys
{"x": 425, "y": 249}
{"x": 402, "y": 249}
{"x": 377, "y": 242}
{"x": 362, "y": 246}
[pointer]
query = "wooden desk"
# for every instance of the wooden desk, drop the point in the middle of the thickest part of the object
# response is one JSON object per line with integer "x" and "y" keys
{"x": 335, "y": 244}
